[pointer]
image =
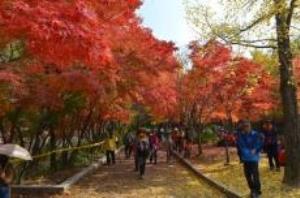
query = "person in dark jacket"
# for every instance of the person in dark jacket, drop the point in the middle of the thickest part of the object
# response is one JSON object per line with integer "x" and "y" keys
{"x": 142, "y": 152}
{"x": 134, "y": 148}
{"x": 154, "y": 146}
{"x": 271, "y": 144}
{"x": 128, "y": 144}
{"x": 249, "y": 143}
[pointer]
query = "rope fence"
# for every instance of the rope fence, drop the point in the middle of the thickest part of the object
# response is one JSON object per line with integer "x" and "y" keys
{"x": 43, "y": 155}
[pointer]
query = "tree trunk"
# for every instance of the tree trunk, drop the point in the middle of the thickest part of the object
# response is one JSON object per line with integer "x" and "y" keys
{"x": 200, "y": 149}
{"x": 231, "y": 129}
{"x": 227, "y": 162}
{"x": 289, "y": 100}
{"x": 199, "y": 129}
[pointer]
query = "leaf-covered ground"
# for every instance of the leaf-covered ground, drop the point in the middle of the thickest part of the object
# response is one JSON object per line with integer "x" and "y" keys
{"x": 161, "y": 181}
{"x": 212, "y": 164}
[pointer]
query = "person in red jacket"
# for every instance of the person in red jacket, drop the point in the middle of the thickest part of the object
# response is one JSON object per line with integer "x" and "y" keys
{"x": 281, "y": 153}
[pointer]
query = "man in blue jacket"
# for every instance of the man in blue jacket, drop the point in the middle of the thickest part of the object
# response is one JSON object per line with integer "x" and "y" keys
{"x": 249, "y": 143}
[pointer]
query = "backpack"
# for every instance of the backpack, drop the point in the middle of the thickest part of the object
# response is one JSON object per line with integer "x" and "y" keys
{"x": 143, "y": 148}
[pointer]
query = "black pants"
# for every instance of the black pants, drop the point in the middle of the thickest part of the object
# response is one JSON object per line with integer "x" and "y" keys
{"x": 252, "y": 175}
{"x": 110, "y": 157}
{"x": 239, "y": 153}
{"x": 136, "y": 162}
{"x": 177, "y": 145}
{"x": 142, "y": 165}
{"x": 128, "y": 150}
{"x": 153, "y": 156}
{"x": 272, "y": 153}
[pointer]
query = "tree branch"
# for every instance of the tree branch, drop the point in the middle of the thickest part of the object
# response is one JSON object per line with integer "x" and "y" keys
{"x": 244, "y": 43}
{"x": 258, "y": 40}
{"x": 256, "y": 22}
{"x": 291, "y": 11}
{"x": 249, "y": 44}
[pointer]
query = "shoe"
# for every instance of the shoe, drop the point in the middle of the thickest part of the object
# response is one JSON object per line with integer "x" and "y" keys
{"x": 254, "y": 195}
{"x": 141, "y": 177}
{"x": 259, "y": 192}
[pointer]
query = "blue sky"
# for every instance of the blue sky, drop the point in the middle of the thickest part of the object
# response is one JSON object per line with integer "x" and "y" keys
{"x": 167, "y": 20}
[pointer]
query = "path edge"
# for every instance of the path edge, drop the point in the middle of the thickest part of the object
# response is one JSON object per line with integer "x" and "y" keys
{"x": 229, "y": 193}
{"x": 65, "y": 185}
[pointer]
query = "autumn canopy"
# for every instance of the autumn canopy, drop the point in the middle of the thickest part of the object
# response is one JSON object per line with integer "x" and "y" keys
{"x": 71, "y": 68}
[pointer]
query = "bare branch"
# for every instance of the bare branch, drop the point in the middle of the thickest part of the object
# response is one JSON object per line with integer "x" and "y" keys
{"x": 245, "y": 43}
{"x": 259, "y": 40}
{"x": 295, "y": 27}
{"x": 254, "y": 45}
{"x": 291, "y": 11}
{"x": 256, "y": 22}
{"x": 249, "y": 44}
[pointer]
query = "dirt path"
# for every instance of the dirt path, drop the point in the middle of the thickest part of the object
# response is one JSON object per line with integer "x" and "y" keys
{"x": 161, "y": 181}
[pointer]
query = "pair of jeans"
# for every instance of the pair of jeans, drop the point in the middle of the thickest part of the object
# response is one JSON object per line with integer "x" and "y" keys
{"x": 252, "y": 175}
{"x": 110, "y": 157}
{"x": 136, "y": 162}
{"x": 4, "y": 191}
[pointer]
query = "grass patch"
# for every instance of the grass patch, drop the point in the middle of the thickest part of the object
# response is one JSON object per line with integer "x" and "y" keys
{"x": 233, "y": 177}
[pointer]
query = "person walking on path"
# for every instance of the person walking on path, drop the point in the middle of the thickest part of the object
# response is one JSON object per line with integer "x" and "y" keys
{"x": 142, "y": 152}
{"x": 128, "y": 143}
{"x": 176, "y": 139}
{"x": 154, "y": 146}
{"x": 110, "y": 146}
{"x": 188, "y": 146}
{"x": 181, "y": 140}
{"x": 250, "y": 144}
{"x": 134, "y": 149}
{"x": 271, "y": 145}
{"x": 6, "y": 175}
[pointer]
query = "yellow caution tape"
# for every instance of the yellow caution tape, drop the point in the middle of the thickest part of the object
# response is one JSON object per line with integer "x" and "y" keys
{"x": 63, "y": 150}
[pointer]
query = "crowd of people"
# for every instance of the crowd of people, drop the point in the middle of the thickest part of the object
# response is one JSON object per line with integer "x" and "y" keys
{"x": 145, "y": 143}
